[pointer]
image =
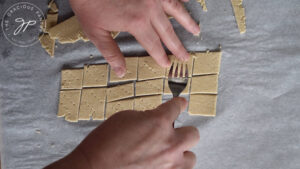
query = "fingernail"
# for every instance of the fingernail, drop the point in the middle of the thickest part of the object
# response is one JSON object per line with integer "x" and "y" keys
{"x": 168, "y": 64}
{"x": 186, "y": 57}
{"x": 196, "y": 30}
{"x": 120, "y": 72}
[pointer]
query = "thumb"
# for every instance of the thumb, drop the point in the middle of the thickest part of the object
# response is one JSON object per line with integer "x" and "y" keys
{"x": 110, "y": 51}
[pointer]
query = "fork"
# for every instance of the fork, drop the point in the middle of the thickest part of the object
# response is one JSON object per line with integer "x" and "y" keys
{"x": 178, "y": 81}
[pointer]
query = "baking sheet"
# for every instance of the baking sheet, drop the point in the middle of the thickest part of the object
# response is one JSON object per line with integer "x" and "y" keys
{"x": 258, "y": 112}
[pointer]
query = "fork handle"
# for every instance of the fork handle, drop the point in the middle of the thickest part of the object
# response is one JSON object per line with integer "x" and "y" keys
{"x": 175, "y": 95}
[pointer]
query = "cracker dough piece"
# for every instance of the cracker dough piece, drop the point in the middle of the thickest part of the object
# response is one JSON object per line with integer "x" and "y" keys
{"x": 116, "y": 106}
{"x": 71, "y": 79}
{"x": 53, "y": 7}
{"x": 147, "y": 102}
{"x": 202, "y": 104}
{"x": 51, "y": 21}
{"x": 175, "y": 61}
{"x": 68, "y": 31}
{"x": 149, "y": 69}
{"x": 239, "y": 13}
{"x": 205, "y": 84}
{"x": 149, "y": 87}
{"x": 48, "y": 44}
{"x": 69, "y": 105}
{"x": 92, "y": 104}
{"x": 203, "y": 4}
{"x": 206, "y": 63}
{"x": 95, "y": 75}
{"x": 131, "y": 72}
{"x": 185, "y": 91}
{"x": 120, "y": 92}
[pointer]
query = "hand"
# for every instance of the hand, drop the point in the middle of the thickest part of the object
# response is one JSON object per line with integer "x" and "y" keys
{"x": 137, "y": 140}
{"x": 146, "y": 20}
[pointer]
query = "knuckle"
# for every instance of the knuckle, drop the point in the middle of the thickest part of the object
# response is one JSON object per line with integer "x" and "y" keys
{"x": 174, "y": 4}
{"x": 138, "y": 20}
{"x": 112, "y": 58}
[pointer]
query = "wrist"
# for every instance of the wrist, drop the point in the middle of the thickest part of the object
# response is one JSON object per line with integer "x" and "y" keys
{"x": 75, "y": 160}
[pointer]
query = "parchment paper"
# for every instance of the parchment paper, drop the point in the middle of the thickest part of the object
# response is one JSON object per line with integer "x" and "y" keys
{"x": 258, "y": 112}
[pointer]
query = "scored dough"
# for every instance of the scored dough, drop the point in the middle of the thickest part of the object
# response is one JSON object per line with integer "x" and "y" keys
{"x": 95, "y": 75}
{"x": 149, "y": 87}
{"x": 205, "y": 84}
{"x": 116, "y": 106}
{"x": 131, "y": 71}
{"x": 185, "y": 91}
{"x": 147, "y": 102}
{"x": 176, "y": 61}
{"x": 69, "y": 105}
{"x": 71, "y": 78}
{"x": 203, "y": 4}
{"x": 202, "y": 104}
{"x": 206, "y": 63}
{"x": 92, "y": 104}
{"x": 120, "y": 92}
{"x": 149, "y": 69}
{"x": 239, "y": 13}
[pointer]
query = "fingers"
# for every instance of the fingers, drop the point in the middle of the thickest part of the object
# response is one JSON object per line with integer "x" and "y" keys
{"x": 177, "y": 10}
{"x": 171, "y": 109}
{"x": 149, "y": 39}
{"x": 166, "y": 32}
{"x": 188, "y": 137}
{"x": 110, "y": 51}
{"x": 189, "y": 160}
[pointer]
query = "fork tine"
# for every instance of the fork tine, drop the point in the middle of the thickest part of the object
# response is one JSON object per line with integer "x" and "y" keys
{"x": 181, "y": 70}
{"x": 176, "y": 70}
{"x": 186, "y": 71}
{"x": 171, "y": 70}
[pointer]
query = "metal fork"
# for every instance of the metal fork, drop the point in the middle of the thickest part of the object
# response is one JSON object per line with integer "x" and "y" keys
{"x": 178, "y": 81}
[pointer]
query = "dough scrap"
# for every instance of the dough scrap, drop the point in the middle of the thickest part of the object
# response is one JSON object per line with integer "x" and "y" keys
{"x": 147, "y": 102}
{"x": 207, "y": 84}
{"x": 116, "y": 106}
{"x": 95, "y": 75}
{"x": 92, "y": 104}
{"x": 203, "y": 4}
{"x": 185, "y": 91}
{"x": 239, "y": 13}
{"x": 71, "y": 79}
{"x": 149, "y": 87}
{"x": 175, "y": 61}
{"x": 69, "y": 105}
{"x": 53, "y": 7}
{"x": 48, "y": 44}
{"x": 68, "y": 31}
{"x": 149, "y": 69}
{"x": 120, "y": 92}
{"x": 202, "y": 104}
{"x": 206, "y": 63}
{"x": 114, "y": 34}
{"x": 131, "y": 72}
{"x": 51, "y": 21}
